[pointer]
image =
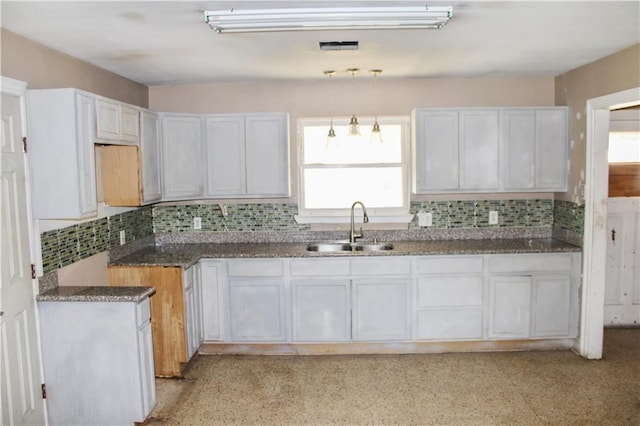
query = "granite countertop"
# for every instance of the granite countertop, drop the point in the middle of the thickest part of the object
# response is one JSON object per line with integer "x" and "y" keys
{"x": 187, "y": 254}
{"x": 95, "y": 294}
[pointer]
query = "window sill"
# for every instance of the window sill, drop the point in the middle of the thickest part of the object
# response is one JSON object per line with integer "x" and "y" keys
{"x": 402, "y": 219}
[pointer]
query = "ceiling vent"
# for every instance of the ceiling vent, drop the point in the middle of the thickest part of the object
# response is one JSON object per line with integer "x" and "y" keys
{"x": 338, "y": 45}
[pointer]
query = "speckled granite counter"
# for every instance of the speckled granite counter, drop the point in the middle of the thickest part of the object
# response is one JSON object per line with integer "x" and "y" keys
{"x": 188, "y": 254}
{"x": 95, "y": 294}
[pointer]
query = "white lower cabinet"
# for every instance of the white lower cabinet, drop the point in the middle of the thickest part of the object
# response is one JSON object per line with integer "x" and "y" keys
{"x": 390, "y": 298}
{"x": 98, "y": 362}
{"x": 449, "y": 298}
{"x": 192, "y": 309}
{"x": 257, "y": 300}
{"x": 321, "y": 310}
{"x": 381, "y": 309}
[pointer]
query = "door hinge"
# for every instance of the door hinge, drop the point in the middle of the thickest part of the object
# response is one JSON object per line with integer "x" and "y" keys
{"x": 24, "y": 144}
{"x": 33, "y": 271}
{"x": 44, "y": 391}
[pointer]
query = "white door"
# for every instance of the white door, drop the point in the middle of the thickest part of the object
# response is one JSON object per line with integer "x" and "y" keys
{"x": 622, "y": 283}
{"x": 20, "y": 375}
{"x": 381, "y": 309}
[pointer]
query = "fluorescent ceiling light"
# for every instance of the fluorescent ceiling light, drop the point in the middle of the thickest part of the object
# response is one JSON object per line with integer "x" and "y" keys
{"x": 335, "y": 18}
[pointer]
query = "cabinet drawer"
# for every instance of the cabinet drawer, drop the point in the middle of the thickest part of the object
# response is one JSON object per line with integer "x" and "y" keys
{"x": 530, "y": 263}
{"x": 256, "y": 268}
{"x": 381, "y": 266}
{"x": 446, "y": 324}
{"x": 448, "y": 265}
{"x": 319, "y": 267}
{"x": 143, "y": 312}
{"x": 450, "y": 290}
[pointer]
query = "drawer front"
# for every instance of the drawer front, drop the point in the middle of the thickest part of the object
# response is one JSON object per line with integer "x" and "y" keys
{"x": 381, "y": 266}
{"x": 143, "y": 312}
{"x": 447, "y": 324}
{"x": 448, "y": 265}
{"x": 450, "y": 290}
{"x": 319, "y": 267}
{"x": 530, "y": 262}
{"x": 256, "y": 268}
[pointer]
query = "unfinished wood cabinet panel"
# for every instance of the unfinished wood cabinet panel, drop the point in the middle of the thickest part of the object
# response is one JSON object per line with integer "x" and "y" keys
{"x": 167, "y": 312}
{"x": 624, "y": 180}
{"x": 121, "y": 175}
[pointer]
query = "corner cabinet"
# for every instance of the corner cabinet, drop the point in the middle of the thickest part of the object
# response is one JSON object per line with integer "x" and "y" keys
{"x": 61, "y": 132}
{"x": 182, "y": 154}
{"x": 175, "y": 312}
{"x": 477, "y": 150}
{"x": 247, "y": 155}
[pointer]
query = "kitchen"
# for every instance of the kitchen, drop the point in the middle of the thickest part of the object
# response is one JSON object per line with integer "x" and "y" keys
{"x": 300, "y": 99}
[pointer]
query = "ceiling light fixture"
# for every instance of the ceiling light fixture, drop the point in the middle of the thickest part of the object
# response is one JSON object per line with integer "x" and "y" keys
{"x": 327, "y": 18}
{"x": 376, "y": 134}
{"x": 354, "y": 127}
{"x": 331, "y": 136}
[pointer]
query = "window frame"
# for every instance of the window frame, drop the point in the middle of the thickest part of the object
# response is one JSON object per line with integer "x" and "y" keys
{"x": 342, "y": 215}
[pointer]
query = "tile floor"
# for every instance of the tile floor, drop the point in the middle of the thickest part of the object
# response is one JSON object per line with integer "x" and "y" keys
{"x": 551, "y": 388}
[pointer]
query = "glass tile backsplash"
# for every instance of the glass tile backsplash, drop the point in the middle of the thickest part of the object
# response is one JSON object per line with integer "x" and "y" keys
{"x": 64, "y": 246}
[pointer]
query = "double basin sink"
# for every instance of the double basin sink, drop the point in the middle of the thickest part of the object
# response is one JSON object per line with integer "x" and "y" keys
{"x": 345, "y": 246}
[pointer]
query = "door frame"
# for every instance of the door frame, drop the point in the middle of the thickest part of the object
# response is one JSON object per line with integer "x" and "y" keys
{"x": 594, "y": 248}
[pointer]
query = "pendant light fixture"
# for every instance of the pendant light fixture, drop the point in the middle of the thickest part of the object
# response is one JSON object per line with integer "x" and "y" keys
{"x": 331, "y": 136}
{"x": 376, "y": 134}
{"x": 354, "y": 127}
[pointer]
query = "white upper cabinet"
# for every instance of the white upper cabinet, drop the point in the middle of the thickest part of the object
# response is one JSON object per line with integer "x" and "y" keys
{"x": 456, "y": 150}
{"x": 117, "y": 122}
{"x": 150, "y": 156}
{"x": 535, "y": 149}
{"x": 181, "y": 156}
{"x": 61, "y": 133}
{"x": 490, "y": 150}
{"x": 247, "y": 155}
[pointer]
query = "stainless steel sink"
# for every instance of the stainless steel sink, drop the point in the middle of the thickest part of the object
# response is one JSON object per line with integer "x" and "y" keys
{"x": 339, "y": 246}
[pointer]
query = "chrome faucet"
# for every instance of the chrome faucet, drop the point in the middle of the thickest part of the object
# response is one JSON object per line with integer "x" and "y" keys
{"x": 354, "y": 235}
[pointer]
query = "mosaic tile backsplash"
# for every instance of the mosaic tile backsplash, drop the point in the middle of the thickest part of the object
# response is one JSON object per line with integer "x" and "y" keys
{"x": 64, "y": 246}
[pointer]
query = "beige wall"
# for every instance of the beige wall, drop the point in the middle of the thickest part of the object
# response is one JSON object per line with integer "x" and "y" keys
{"x": 44, "y": 68}
{"x": 615, "y": 73}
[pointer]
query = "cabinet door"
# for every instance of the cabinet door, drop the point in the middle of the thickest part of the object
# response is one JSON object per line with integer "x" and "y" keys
{"x": 257, "y": 310}
{"x": 129, "y": 124}
{"x": 107, "y": 120}
{"x": 509, "y": 306}
{"x": 380, "y": 310}
{"x": 225, "y": 156}
{"x": 436, "y": 151}
{"x": 551, "y": 145}
{"x": 321, "y": 310}
{"x": 150, "y": 157}
{"x": 145, "y": 347}
{"x": 479, "y": 150}
{"x": 267, "y": 155}
{"x": 551, "y": 305}
{"x": 519, "y": 127}
{"x": 213, "y": 285}
{"x": 181, "y": 156}
{"x": 86, "y": 154}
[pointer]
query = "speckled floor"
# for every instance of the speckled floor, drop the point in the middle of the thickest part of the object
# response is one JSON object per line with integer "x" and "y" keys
{"x": 445, "y": 389}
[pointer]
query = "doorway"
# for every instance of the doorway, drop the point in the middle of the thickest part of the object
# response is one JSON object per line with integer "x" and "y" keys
{"x": 595, "y": 239}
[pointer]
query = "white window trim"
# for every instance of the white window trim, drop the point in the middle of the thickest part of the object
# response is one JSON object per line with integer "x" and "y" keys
{"x": 398, "y": 215}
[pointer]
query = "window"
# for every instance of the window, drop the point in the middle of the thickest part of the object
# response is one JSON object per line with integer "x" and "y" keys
{"x": 624, "y": 147}
{"x": 333, "y": 176}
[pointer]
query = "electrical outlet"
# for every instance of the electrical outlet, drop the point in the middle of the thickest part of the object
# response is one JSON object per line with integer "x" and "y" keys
{"x": 493, "y": 217}
{"x": 123, "y": 237}
{"x": 425, "y": 219}
{"x": 197, "y": 223}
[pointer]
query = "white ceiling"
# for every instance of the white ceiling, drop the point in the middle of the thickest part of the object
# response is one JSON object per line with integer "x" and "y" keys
{"x": 158, "y": 43}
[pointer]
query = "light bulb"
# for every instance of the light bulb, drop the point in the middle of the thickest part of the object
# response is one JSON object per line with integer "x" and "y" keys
{"x": 376, "y": 134}
{"x": 354, "y": 128}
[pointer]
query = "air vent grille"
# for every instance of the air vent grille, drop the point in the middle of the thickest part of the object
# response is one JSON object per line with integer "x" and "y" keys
{"x": 338, "y": 45}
